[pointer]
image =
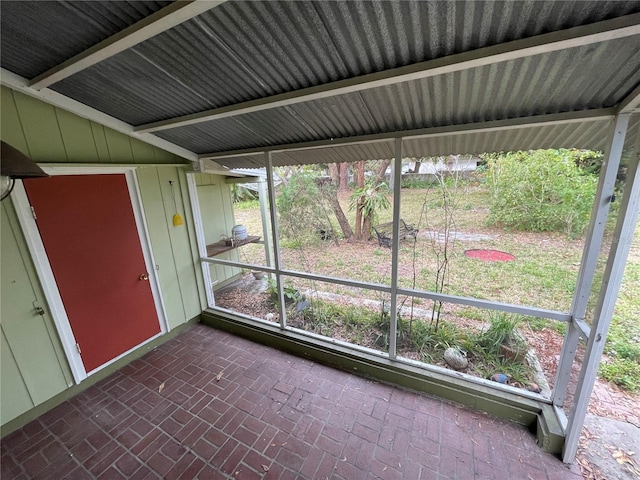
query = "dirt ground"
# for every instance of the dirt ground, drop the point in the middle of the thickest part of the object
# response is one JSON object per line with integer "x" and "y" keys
{"x": 608, "y": 401}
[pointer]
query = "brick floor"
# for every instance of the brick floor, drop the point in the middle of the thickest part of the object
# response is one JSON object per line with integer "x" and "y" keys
{"x": 209, "y": 405}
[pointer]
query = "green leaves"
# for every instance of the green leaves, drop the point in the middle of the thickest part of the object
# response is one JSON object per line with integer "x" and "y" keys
{"x": 370, "y": 199}
{"x": 301, "y": 208}
{"x": 542, "y": 190}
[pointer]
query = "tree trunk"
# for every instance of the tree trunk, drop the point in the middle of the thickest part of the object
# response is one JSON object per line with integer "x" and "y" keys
{"x": 416, "y": 167}
{"x": 359, "y": 184}
{"x": 380, "y": 174}
{"x": 366, "y": 228}
{"x": 342, "y": 219}
{"x": 365, "y": 233}
{"x": 360, "y": 174}
{"x": 334, "y": 173}
{"x": 344, "y": 177}
{"x": 332, "y": 194}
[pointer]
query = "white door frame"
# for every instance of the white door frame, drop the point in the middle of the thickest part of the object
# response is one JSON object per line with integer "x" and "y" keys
{"x": 45, "y": 273}
{"x": 200, "y": 239}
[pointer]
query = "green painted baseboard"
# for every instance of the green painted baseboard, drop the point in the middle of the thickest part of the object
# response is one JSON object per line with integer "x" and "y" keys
{"x": 538, "y": 416}
{"x": 70, "y": 392}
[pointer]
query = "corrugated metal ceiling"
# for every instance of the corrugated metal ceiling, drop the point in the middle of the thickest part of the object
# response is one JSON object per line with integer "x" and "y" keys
{"x": 37, "y": 36}
{"x": 238, "y": 52}
{"x": 538, "y": 85}
{"x": 243, "y": 51}
{"x": 589, "y": 135}
{"x": 346, "y": 153}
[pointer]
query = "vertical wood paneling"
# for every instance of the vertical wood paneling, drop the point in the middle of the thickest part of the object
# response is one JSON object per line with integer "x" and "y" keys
{"x": 39, "y": 356}
{"x": 142, "y": 152}
{"x": 180, "y": 240}
{"x": 208, "y": 196}
{"x": 214, "y": 197}
{"x": 119, "y": 147}
{"x": 52, "y": 135}
{"x": 14, "y": 395}
{"x": 156, "y": 219}
{"x": 174, "y": 247}
{"x": 230, "y": 221}
{"x": 41, "y": 129}
{"x": 162, "y": 156}
{"x": 76, "y": 136}
{"x": 10, "y": 125}
{"x": 193, "y": 243}
{"x": 100, "y": 140}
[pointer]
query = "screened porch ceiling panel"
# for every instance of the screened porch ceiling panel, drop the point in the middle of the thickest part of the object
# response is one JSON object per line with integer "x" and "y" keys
{"x": 538, "y": 85}
{"x": 374, "y": 150}
{"x": 56, "y": 31}
{"x": 141, "y": 87}
{"x": 591, "y": 135}
{"x": 248, "y": 51}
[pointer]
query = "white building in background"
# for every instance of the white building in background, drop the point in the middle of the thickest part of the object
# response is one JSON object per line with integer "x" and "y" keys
{"x": 452, "y": 163}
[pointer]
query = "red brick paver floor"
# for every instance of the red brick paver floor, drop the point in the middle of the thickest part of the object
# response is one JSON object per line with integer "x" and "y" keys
{"x": 209, "y": 405}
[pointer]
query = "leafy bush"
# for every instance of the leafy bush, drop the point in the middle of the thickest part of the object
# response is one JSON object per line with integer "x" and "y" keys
{"x": 501, "y": 332}
{"x": 240, "y": 193}
{"x": 370, "y": 199}
{"x": 417, "y": 183}
{"x": 291, "y": 293}
{"x": 542, "y": 190}
{"x": 302, "y": 209}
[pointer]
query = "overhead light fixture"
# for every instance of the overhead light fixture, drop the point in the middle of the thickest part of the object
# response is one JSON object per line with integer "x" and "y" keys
{"x": 15, "y": 164}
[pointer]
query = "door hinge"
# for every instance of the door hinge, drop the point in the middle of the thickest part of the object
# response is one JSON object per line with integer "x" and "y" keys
{"x": 33, "y": 212}
{"x": 78, "y": 348}
{"x": 39, "y": 310}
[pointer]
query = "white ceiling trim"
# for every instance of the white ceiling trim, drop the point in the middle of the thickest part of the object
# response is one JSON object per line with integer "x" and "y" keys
{"x": 160, "y": 21}
{"x": 631, "y": 104}
{"x": 480, "y": 127}
{"x": 336, "y": 142}
{"x": 16, "y": 82}
{"x": 574, "y": 37}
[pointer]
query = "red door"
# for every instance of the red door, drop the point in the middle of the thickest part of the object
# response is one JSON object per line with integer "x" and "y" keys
{"x": 88, "y": 229}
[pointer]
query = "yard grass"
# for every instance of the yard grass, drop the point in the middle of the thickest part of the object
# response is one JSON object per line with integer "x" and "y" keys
{"x": 543, "y": 274}
{"x": 622, "y": 362}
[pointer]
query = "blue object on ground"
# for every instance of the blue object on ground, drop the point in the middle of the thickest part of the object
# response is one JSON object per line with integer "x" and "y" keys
{"x": 499, "y": 377}
{"x": 301, "y": 306}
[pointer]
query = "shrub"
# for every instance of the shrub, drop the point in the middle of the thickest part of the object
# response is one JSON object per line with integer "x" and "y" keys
{"x": 291, "y": 293}
{"x": 370, "y": 199}
{"x": 542, "y": 190}
{"x": 501, "y": 332}
{"x": 301, "y": 209}
{"x": 240, "y": 193}
{"x": 417, "y": 183}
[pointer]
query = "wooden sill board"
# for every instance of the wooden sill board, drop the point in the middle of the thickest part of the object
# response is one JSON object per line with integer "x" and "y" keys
{"x": 221, "y": 247}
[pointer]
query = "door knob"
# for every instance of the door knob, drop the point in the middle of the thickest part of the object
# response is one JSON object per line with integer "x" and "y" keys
{"x": 144, "y": 276}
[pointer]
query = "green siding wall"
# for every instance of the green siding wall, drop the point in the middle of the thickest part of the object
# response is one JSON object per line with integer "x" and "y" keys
{"x": 34, "y": 367}
{"x": 174, "y": 247}
{"x": 51, "y": 135}
{"x": 214, "y": 197}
